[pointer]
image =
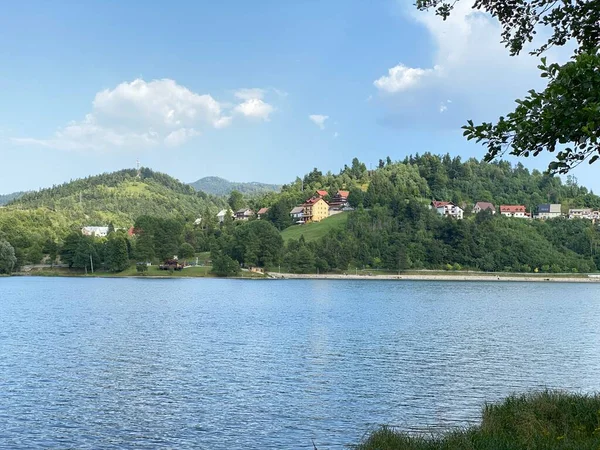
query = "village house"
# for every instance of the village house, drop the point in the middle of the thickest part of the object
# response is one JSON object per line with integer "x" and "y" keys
{"x": 297, "y": 214}
{"x": 514, "y": 211}
{"x": 447, "y": 209}
{"x": 244, "y": 214}
{"x": 262, "y": 212}
{"x": 315, "y": 210}
{"x": 583, "y": 213}
{"x": 548, "y": 211}
{"x": 222, "y": 214}
{"x": 484, "y": 206}
{"x": 340, "y": 199}
{"x": 95, "y": 231}
{"x": 320, "y": 193}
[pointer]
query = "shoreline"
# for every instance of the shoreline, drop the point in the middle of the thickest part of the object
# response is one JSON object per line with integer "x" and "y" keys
{"x": 460, "y": 277}
{"x": 440, "y": 277}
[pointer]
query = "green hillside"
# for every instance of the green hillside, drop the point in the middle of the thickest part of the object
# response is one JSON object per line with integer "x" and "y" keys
{"x": 118, "y": 197}
{"x": 36, "y": 218}
{"x": 220, "y": 186}
{"x": 316, "y": 230}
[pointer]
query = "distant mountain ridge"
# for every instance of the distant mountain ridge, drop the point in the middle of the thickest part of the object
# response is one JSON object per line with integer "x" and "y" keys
{"x": 6, "y": 198}
{"x": 220, "y": 186}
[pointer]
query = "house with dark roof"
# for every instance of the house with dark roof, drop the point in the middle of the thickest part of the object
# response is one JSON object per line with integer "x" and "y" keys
{"x": 484, "y": 206}
{"x": 297, "y": 214}
{"x": 549, "y": 211}
{"x": 243, "y": 214}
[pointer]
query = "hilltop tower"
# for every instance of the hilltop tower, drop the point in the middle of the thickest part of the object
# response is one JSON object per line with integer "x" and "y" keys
{"x": 137, "y": 166}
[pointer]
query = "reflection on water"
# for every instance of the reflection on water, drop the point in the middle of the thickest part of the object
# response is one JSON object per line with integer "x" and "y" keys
{"x": 227, "y": 364}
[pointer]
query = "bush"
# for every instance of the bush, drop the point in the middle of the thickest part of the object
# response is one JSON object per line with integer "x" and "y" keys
{"x": 225, "y": 266}
{"x": 547, "y": 420}
{"x": 141, "y": 268}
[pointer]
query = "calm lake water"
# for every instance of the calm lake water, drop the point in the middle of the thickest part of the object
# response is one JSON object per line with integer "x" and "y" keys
{"x": 227, "y": 364}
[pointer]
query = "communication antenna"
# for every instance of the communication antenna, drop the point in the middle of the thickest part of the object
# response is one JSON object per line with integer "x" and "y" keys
{"x": 137, "y": 165}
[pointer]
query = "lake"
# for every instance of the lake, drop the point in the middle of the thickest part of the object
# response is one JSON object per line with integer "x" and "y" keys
{"x": 232, "y": 364}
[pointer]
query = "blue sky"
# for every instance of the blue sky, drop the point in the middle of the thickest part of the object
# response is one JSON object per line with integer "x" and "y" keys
{"x": 246, "y": 90}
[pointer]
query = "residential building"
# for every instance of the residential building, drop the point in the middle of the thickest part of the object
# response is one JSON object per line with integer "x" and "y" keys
{"x": 315, "y": 210}
{"x": 321, "y": 193}
{"x": 584, "y": 213}
{"x": 244, "y": 214}
{"x": 297, "y": 214}
{"x": 262, "y": 212}
{"x": 95, "y": 231}
{"x": 340, "y": 200}
{"x": 447, "y": 209}
{"x": 548, "y": 211}
{"x": 514, "y": 211}
{"x": 222, "y": 214}
{"x": 484, "y": 206}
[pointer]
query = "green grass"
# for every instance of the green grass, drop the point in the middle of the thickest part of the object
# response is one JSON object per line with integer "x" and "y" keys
{"x": 547, "y": 420}
{"x": 316, "y": 230}
{"x": 131, "y": 271}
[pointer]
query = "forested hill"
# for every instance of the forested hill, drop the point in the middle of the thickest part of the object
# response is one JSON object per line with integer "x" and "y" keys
{"x": 393, "y": 228}
{"x": 7, "y": 198}
{"x": 118, "y": 197}
{"x": 500, "y": 182}
{"x": 219, "y": 186}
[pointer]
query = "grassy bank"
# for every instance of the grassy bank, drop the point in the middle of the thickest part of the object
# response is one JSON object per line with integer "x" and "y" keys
{"x": 539, "y": 421}
{"x": 153, "y": 271}
{"x": 316, "y": 230}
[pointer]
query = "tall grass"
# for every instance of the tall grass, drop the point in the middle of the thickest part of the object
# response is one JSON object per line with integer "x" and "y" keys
{"x": 549, "y": 420}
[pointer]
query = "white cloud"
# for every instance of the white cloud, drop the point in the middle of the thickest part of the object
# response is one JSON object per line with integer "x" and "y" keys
{"x": 336, "y": 135}
{"x": 179, "y": 137}
{"x": 253, "y": 105}
{"x": 468, "y": 64}
{"x": 255, "y": 108}
{"x": 401, "y": 78}
{"x": 318, "y": 120}
{"x": 141, "y": 114}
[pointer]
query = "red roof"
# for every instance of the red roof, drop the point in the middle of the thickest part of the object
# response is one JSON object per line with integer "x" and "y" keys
{"x": 313, "y": 200}
{"x": 263, "y": 210}
{"x": 512, "y": 208}
{"x": 437, "y": 204}
{"x": 322, "y": 192}
{"x": 343, "y": 194}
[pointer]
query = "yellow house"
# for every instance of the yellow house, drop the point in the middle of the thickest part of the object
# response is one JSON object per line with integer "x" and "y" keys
{"x": 315, "y": 210}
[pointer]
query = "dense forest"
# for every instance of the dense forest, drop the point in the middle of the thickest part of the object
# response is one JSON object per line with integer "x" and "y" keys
{"x": 391, "y": 228}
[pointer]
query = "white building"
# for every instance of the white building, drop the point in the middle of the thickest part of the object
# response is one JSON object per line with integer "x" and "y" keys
{"x": 447, "y": 209}
{"x": 297, "y": 214}
{"x": 514, "y": 211}
{"x": 548, "y": 211}
{"x": 222, "y": 214}
{"x": 95, "y": 231}
{"x": 584, "y": 213}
